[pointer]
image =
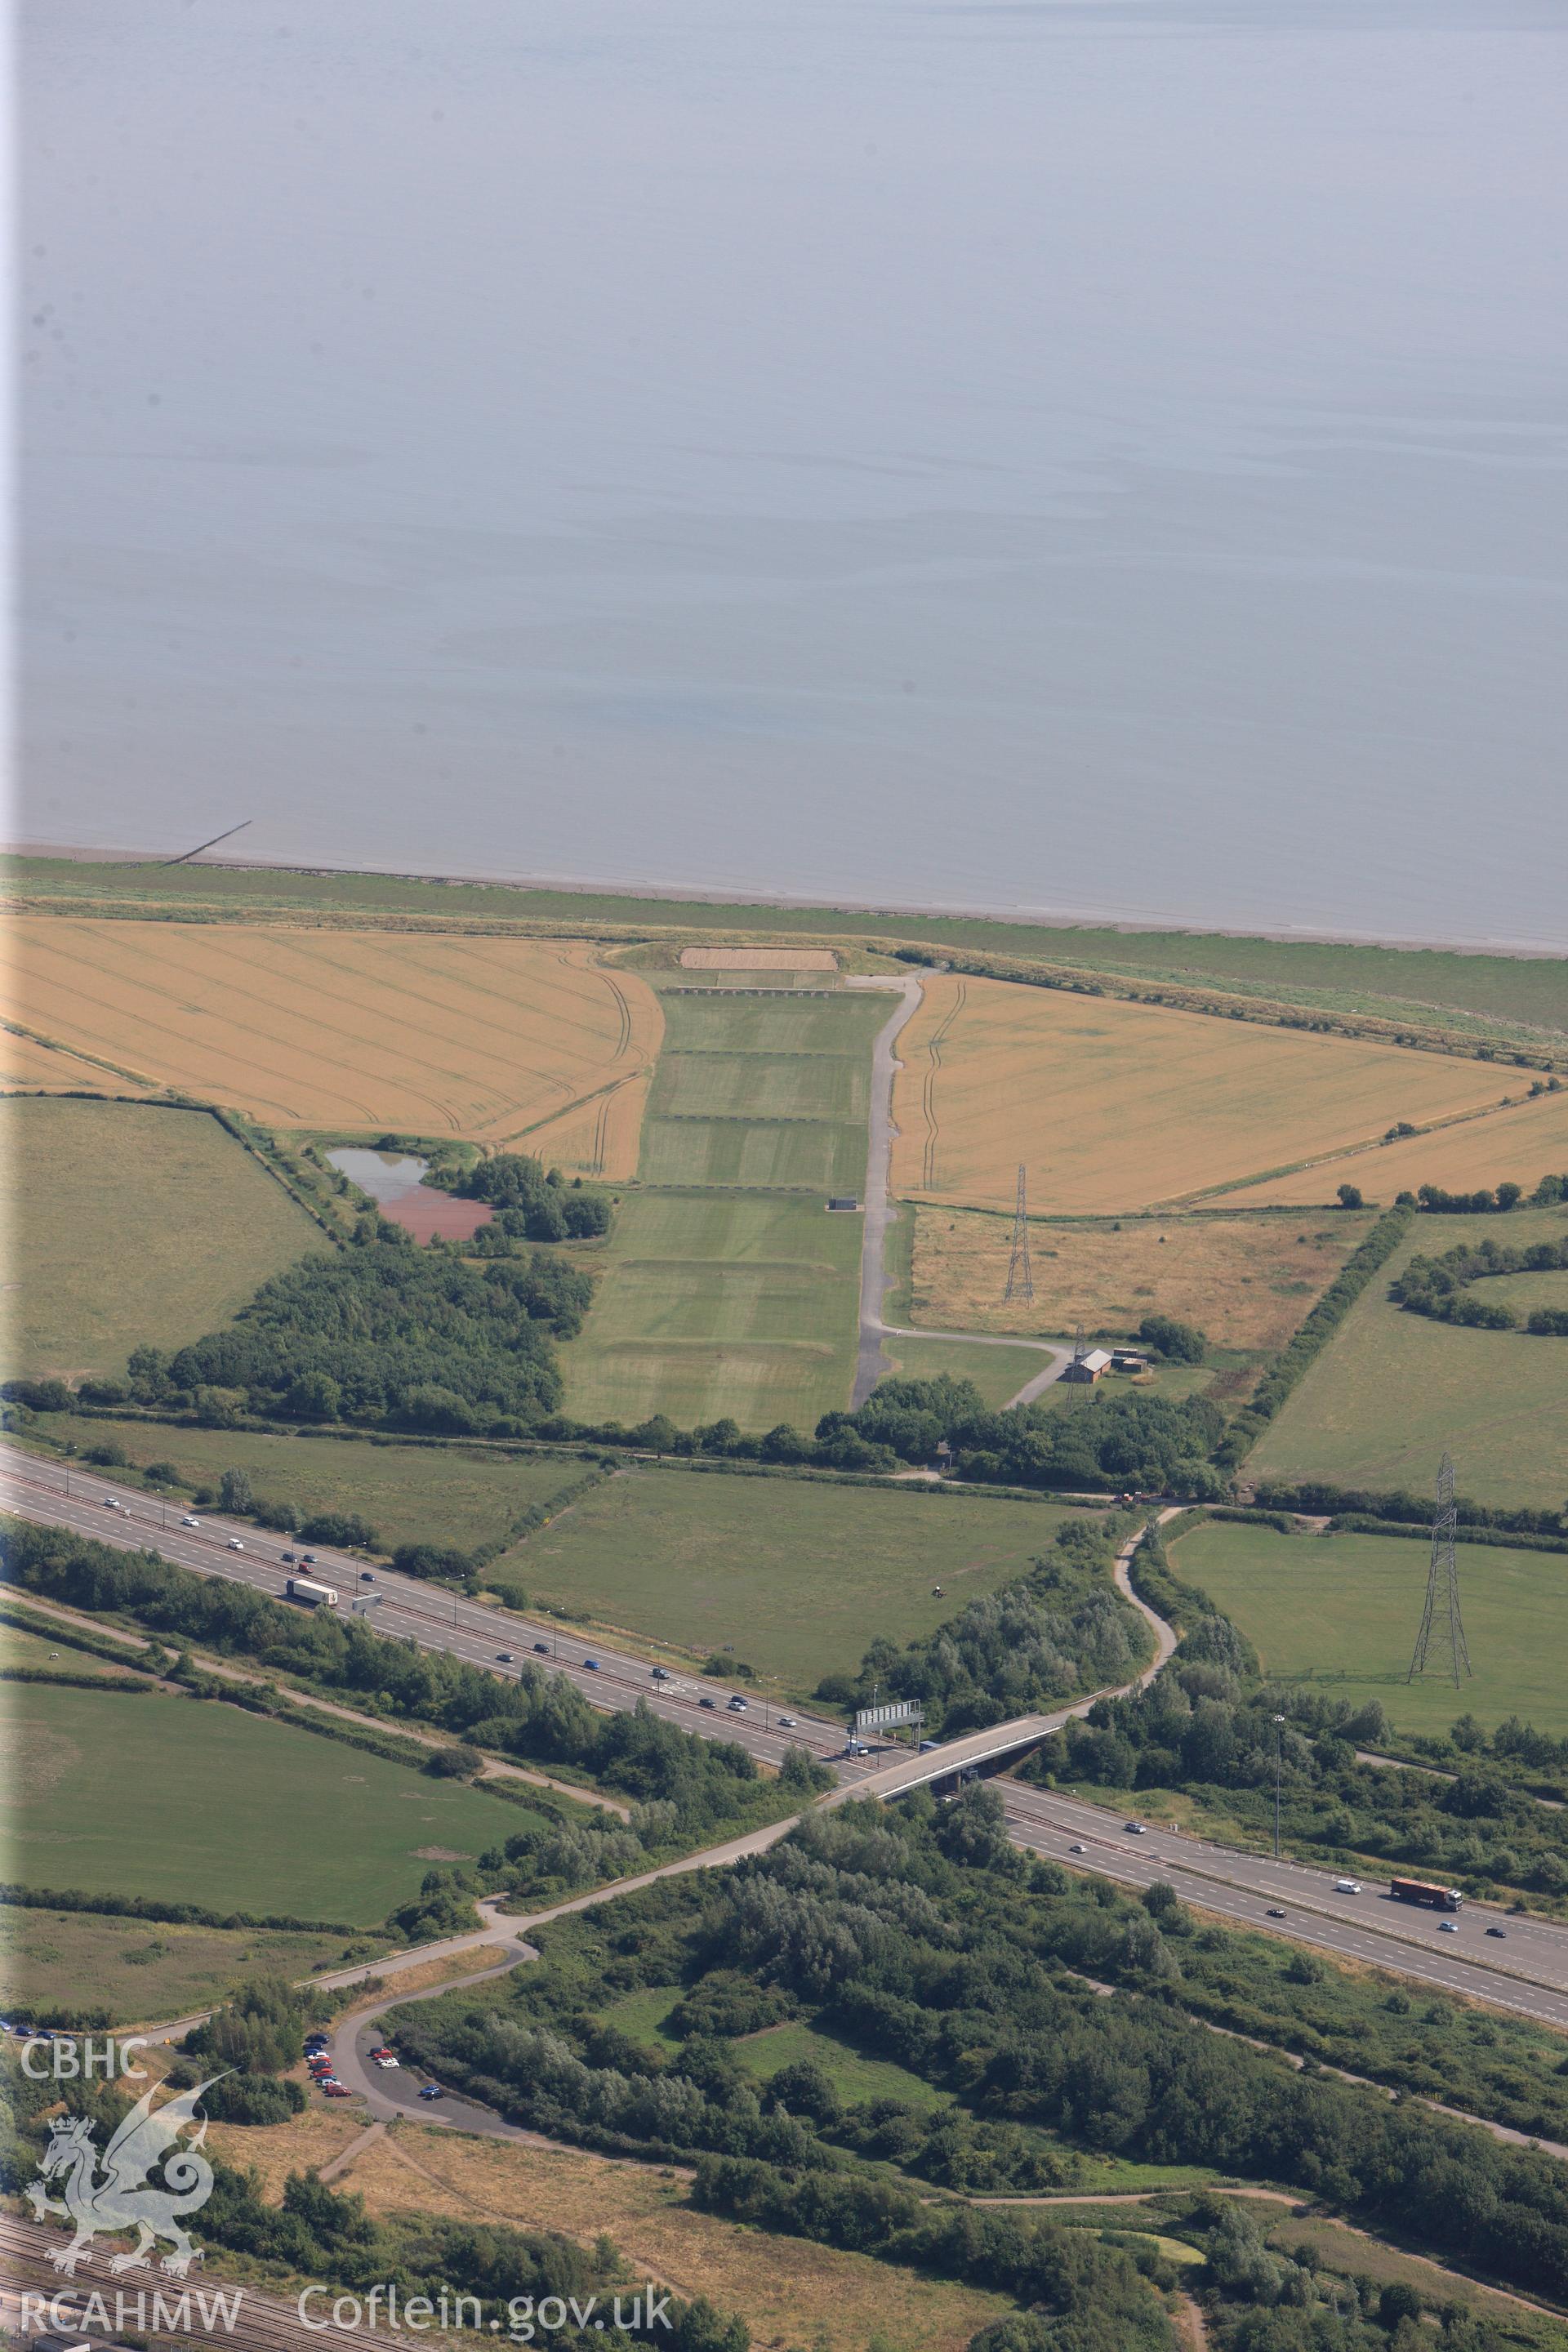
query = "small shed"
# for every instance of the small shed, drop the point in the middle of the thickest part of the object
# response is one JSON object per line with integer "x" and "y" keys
{"x": 1128, "y": 1360}
{"x": 843, "y": 1201}
{"x": 1087, "y": 1369}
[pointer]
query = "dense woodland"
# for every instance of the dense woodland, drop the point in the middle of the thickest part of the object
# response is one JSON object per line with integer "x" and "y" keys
{"x": 386, "y": 1335}
{"x": 921, "y": 1935}
{"x": 531, "y": 1202}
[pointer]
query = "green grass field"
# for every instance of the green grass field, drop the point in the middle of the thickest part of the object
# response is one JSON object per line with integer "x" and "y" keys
{"x": 797, "y": 1576}
{"x": 741, "y": 1300}
{"x": 18, "y": 1647}
{"x": 1528, "y": 993}
{"x": 132, "y": 1223}
{"x": 140, "y": 1972}
{"x": 410, "y": 1494}
{"x": 189, "y": 1803}
{"x": 1343, "y": 1611}
{"x": 1391, "y": 1391}
{"x": 998, "y": 1373}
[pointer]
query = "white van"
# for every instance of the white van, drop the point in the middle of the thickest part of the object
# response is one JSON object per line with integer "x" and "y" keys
{"x": 1347, "y": 1886}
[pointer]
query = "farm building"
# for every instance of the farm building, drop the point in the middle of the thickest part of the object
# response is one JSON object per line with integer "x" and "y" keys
{"x": 1128, "y": 1360}
{"x": 1087, "y": 1367}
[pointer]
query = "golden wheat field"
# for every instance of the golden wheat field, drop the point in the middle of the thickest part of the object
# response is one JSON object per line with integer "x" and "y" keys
{"x": 497, "y": 1040}
{"x": 1246, "y": 1281}
{"x": 1518, "y": 1145}
{"x": 25, "y": 1063}
{"x": 1115, "y": 1106}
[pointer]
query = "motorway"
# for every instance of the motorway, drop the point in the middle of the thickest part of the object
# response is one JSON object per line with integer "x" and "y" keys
{"x": 1528, "y": 1972}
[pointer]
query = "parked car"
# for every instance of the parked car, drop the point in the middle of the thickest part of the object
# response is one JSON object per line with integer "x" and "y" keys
{"x": 338, "y": 2090}
{"x": 432, "y": 2091}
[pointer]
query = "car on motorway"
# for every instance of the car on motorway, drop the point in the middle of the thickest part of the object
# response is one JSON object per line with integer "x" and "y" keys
{"x": 1447, "y": 1927}
{"x": 591, "y": 1664}
{"x": 188, "y": 1522}
{"x": 1275, "y": 1911}
{"x": 660, "y": 1674}
{"x": 1347, "y": 1886}
{"x": 287, "y": 1556}
{"x": 1501, "y": 1933}
{"x": 785, "y": 1722}
{"x": 541, "y": 1649}
{"x": 856, "y": 1748}
{"x": 235, "y": 1544}
{"x": 1075, "y": 1849}
{"x": 710, "y": 1704}
{"x": 737, "y": 1704}
{"x": 504, "y": 1658}
{"x": 110, "y": 1504}
{"x": 1134, "y": 1829}
{"x": 432, "y": 2091}
{"x": 306, "y": 1560}
{"x": 367, "y": 1576}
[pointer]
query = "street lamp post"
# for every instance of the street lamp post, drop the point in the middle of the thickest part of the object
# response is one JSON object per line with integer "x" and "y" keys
{"x": 1279, "y": 1735}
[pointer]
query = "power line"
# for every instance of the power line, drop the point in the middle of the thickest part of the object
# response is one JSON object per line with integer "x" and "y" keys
{"x": 1020, "y": 1277}
{"x": 1441, "y": 1613}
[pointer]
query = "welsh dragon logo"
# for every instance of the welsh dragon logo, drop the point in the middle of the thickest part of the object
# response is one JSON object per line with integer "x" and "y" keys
{"x": 117, "y": 2197}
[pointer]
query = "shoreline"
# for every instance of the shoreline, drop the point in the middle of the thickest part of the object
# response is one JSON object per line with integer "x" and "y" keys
{"x": 1290, "y": 935}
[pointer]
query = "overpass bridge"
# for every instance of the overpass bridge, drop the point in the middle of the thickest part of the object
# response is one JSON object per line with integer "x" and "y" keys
{"x": 973, "y": 1751}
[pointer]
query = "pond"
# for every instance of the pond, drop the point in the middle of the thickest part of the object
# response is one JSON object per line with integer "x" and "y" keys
{"x": 396, "y": 1182}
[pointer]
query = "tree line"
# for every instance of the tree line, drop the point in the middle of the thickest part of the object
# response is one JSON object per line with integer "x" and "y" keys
{"x": 1440, "y": 1287}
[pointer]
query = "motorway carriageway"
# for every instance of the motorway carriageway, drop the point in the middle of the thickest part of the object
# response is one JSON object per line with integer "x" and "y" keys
{"x": 1527, "y": 1973}
{"x": 35, "y": 1489}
